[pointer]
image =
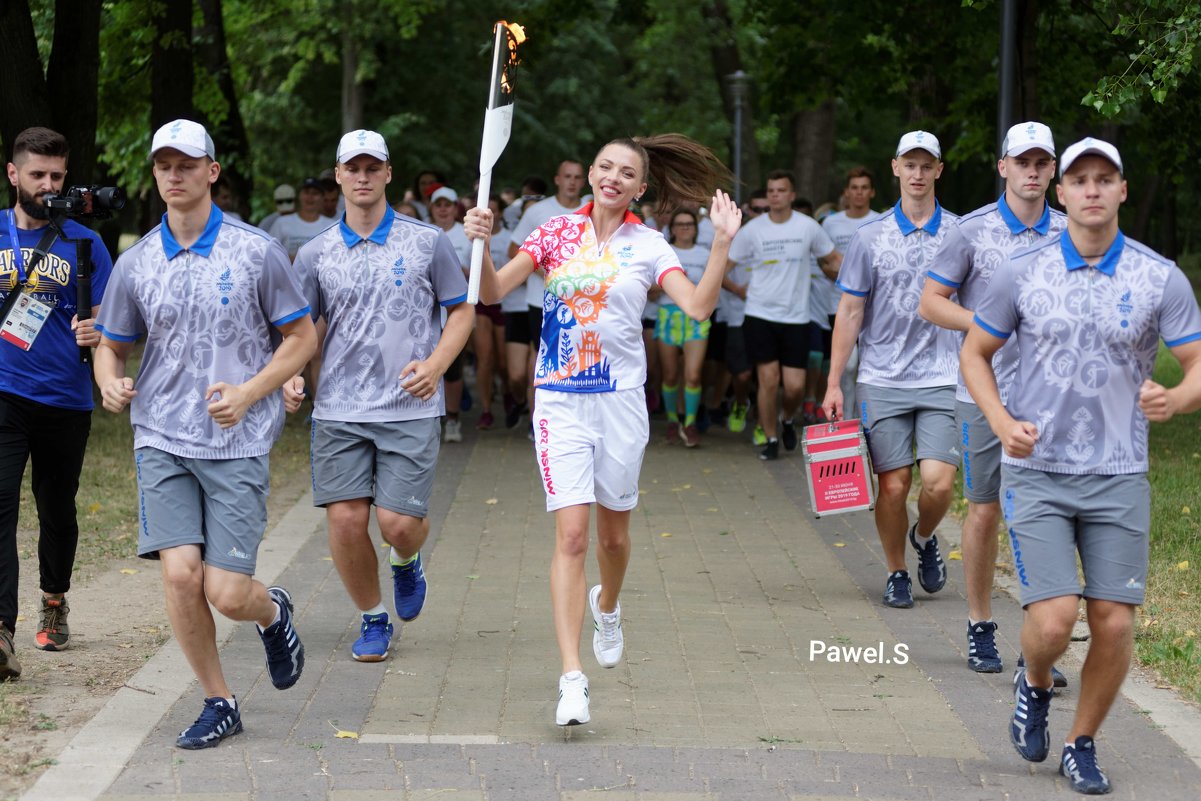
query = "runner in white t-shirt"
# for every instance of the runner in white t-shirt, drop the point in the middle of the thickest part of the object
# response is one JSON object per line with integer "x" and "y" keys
{"x": 591, "y": 425}
{"x": 777, "y": 246}
{"x": 444, "y": 209}
{"x": 293, "y": 230}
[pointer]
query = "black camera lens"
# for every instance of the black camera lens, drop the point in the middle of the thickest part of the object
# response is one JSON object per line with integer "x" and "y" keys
{"x": 110, "y": 197}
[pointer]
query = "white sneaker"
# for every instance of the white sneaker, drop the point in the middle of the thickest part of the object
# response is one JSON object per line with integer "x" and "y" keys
{"x": 607, "y": 640}
{"x": 573, "y": 700}
{"x": 454, "y": 431}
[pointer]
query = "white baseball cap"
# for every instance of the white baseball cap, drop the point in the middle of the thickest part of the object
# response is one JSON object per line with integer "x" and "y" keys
{"x": 1088, "y": 146}
{"x": 444, "y": 193}
{"x": 285, "y": 197}
{"x": 1027, "y": 136}
{"x": 362, "y": 143}
{"x": 187, "y": 137}
{"x": 919, "y": 140}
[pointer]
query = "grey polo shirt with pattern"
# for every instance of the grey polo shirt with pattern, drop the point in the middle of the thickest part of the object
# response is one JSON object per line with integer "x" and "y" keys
{"x": 1086, "y": 339}
{"x": 208, "y": 313}
{"x": 381, "y": 297}
{"x": 971, "y": 253}
{"x": 886, "y": 263}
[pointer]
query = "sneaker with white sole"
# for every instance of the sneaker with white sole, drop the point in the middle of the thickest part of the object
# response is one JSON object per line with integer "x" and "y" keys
{"x": 375, "y": 637}
{"x": 218, "y": 721}
{"x": 285, "y": 652}
{"x": 573, "y": 700}
{"x": 1078, "y": 765}
{"x": 453, "y": 432}
{"x": 607, "y": 640}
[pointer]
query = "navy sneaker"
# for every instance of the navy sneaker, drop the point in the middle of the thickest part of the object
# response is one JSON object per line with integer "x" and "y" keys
{"x": 1079, "y": 766}
{"x": 771, "y": 451}
{"x": 788, "y": 435}
{"x": 982, "y": 655}
{"x": 1028, "y": 727}
{"x": 1058, "y": 680}
{"x": 218, "y": 721}
{"x": 514, "y": 414}
{"x": 931, "y": 571}
{"x": 285, "y": 652}
{"x": 408, "y": 582}
{"x": 898, "y": 592}
{"x": 375, "y": 636}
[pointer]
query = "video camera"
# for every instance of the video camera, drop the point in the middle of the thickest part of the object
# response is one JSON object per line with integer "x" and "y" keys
{"x": 93, "y": 202}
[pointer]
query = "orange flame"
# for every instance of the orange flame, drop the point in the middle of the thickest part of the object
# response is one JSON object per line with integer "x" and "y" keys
{"x": 516, "y": 35}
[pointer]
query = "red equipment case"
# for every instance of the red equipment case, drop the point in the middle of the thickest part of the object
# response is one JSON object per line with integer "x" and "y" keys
{"x": 838, "y": 467}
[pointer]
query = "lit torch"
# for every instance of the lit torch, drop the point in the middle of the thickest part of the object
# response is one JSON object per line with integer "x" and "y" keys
{"x": 498, "y": 122}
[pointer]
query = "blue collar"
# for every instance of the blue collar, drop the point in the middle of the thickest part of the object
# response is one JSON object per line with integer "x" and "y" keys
{"x": 907, "y": 228}
{"x": 202, "y": 246}
{"x": 379, "y": 236}
{"x": 1016, "y": 226}
{"x": 1108, "y": 263}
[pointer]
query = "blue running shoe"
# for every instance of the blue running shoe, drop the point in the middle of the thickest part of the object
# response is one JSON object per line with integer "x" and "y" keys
{"x": 1028, "y": 727}
{"x": 982, "y": 655}
{"x": 898, "y": 592}
{"x": 285, "y": 652}
{"x": 931, "y": 571}
{"x": 374, "y": 638}
{"x": 1058, "y": 680}
{"x": 218, "y": 721}
{"x": 408, "y": 581}
{"x": 1079, "y": 766}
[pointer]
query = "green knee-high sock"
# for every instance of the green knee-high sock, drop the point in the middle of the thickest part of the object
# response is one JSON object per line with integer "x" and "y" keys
{"x": 671, "y": 397}
{"x": 692, "y": 402}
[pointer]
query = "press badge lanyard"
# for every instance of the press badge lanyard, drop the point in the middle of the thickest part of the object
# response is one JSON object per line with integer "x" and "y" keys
{"x": 22, "y": 316}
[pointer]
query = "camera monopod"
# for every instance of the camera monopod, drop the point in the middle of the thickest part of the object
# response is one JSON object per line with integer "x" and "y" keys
{"x": 83, "y": 280}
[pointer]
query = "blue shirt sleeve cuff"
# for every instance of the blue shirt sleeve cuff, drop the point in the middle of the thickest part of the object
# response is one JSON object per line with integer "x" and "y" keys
{"x": 455, "y": 301}
{"x": 116, "y": 337}
{"x": 988, "y": 328}
{"x": 850, "y": 291}
{"x": 943, "y": 281}
{"x": 1172, "y": 343}
{"x": 296, "y": 315}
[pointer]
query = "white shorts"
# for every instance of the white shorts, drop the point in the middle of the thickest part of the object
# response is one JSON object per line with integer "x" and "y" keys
{"x": 589, "y": 446}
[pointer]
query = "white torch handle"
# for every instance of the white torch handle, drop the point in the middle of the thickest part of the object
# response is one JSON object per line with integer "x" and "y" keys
{"x": 477, "y": 246}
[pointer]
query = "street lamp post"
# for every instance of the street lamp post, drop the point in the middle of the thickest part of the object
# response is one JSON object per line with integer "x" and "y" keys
{"x": 737, "y": 82}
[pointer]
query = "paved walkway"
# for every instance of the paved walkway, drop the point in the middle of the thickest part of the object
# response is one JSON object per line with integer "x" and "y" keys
{"x": 732, "y": 590}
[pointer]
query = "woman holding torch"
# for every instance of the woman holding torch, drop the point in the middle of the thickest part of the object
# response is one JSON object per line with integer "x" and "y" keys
{"x": 592, "y": 428}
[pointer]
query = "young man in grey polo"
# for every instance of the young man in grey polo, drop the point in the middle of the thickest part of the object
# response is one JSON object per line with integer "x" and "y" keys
{"x": 907, "y": 366}
{"x": 1087, "y": 309}
{"x": 957, "y": 280}
{"x": 212, "y": 296}
{"x": 380, "y": 280}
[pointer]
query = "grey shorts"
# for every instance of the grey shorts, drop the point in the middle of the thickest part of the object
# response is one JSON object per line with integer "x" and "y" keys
{"x": 894, "y": 418}
{"x": 981, "y": 454}
{"x": 1053, "y": 516}
{"x": 392, "y": 464}
{"x": 218, "y": 504}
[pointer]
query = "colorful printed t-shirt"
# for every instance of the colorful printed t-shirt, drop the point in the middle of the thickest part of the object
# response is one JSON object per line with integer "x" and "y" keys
{"x": 50, "y": 372}
{"x": 886, "y": 263}
{"x": 1086, "y": 339}
{"x": 208, "y": 313}
{"x": 531, "y": 218}
{"x": 381, "y": 298}
{"x": 971, "y": 253}
{"x": 778, "y": 257}
{"x": 592, "y": 308}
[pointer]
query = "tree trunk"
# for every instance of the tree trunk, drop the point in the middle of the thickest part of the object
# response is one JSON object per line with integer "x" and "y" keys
{"x": 1028, "y": 101}
{"x": 813, "y": 137}
{"x": 171, "y": 73}
{"x": 1145, "y": 206}
{"x": 73, "y": 82}
{"x": 23, "y": 96}
{"x": 726, "y": 61}
{"x": 229, "y": 135}
{"x": 171, "y": 79}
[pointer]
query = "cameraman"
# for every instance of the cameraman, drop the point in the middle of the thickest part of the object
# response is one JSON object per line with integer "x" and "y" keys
{"x": 45, "y": 388}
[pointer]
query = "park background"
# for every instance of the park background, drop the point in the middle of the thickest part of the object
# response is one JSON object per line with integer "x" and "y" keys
{"x": 826, "y": 86}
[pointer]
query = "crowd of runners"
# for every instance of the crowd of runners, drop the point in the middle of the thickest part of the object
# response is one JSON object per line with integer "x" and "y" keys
{"x": 1014, "y": 342}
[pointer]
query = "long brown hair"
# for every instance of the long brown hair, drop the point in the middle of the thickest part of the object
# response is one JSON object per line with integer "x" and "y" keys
{"x": 680, "y": 169}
